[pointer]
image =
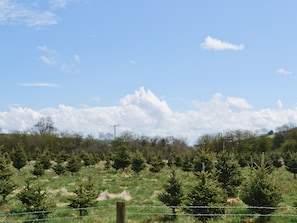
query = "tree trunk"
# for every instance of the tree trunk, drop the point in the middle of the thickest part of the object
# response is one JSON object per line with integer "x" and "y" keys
{"x": 174, "y": 214}
{"x": 262, "y": 219}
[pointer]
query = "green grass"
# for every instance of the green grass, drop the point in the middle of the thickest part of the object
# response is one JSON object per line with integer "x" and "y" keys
{"x": 143, "y": 188}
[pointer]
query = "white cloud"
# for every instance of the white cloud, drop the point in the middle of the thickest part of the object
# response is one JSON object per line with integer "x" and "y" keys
{"x": 52, "y": 58}
{"x": 59, "y": 3}
{"x": 12, "y": 12}
{"x": 216, "y": 44}
{"x": 145, "y": 114}
{"x": 284, "y": 71}
{"x": 68, "y": 68}
{"x": 40, "y": 84}
{"x": 239, "y": 103}
{"x": 76, "y": 58}
{"x": 47, "y": 60}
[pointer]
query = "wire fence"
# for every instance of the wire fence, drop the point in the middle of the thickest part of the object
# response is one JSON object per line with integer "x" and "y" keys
{"x": 109, "y": 212}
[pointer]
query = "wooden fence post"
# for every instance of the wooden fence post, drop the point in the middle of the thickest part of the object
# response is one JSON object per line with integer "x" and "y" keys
{"x": 121, "y": 212}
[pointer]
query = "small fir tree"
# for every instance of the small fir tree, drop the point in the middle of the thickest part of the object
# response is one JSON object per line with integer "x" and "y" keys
{"x": 156, "y": 164}
{"x": 173, "y": 194}
{"x": 84, "y": 197}
{"x": 19, "y": 157}
{"x": 59, "y": 168}
{"x": 187, "y": 165}
{"x": 276, "y": 160}
{"x": 291, "y": 163}
{"x": 204, "y": 161}
{"x": 260, "y": 190}
{"x": 6, "y": 158}
{"x": 121, "y": 158}
{"x": 73, "y": 164}
{"x": 38, "y": 169}
{"x": 228, "y": 173}
{"x": 34, "y": 198}
{"x": 88, "y": 159}
{"x": 107, "y": 164}
{"x": 62, "y": 156}
{"x": 6, "y": 183}
{"x": 206, "y": 194}
{"x": 137, "y": 162}
{"x": 45, "y": 160}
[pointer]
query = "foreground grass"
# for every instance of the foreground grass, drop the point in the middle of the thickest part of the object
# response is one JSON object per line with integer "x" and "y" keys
{"x": 141, "y": 193}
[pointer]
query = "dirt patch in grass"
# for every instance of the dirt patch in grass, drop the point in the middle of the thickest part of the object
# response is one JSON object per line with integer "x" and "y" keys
{"x": 63, "y": 191}
{"x": 105, "y": 196}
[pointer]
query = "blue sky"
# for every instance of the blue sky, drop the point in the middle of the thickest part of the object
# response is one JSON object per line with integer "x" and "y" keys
{"x": 168, "y": 68}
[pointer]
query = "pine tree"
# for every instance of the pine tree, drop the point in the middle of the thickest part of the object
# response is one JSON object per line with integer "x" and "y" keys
{"x": 228, "y": 173}
{"x": 121, "y": 158}
{"x": 34, "y": 198}
{"x": 260, "y": 190}
{"x": 62, "y": 156}
{"x": 204, "y": 161}
{"x": 88, "y": 159}
{"x": 156, "y": 164}
{"x": 73, "y": 164}
{"x": 6, "y": 183}
{"x": 206, "y": 194}
{"x": 45, "y": 160}
{"x": 59, "y": 168}
{"x": 291, "y": 163}
{"x": 107, "y": 164}
{"x": 38, "y": 169}
{"x": 173, "y": 194}
{"x": 276, "y": 160}
{"x": 187, "y": 165}
{"x": 84, "y": 197}
{"x": 19, "y": 157}
{"x": 137, "y": 162}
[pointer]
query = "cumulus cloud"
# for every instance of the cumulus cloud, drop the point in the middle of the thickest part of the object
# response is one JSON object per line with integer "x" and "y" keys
{"x": 145, "y": 114}
{"x": 211, "y": 43}
{"x": 239, "y": 103}
{"x": 284, "y": 71}
{"x": 12, "y": 12}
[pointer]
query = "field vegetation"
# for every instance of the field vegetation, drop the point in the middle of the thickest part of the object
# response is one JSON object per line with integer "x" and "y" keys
{"x": 236, "y": 176}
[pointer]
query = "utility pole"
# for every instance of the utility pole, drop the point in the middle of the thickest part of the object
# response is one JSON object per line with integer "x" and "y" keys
{"x": 114, "y": 131}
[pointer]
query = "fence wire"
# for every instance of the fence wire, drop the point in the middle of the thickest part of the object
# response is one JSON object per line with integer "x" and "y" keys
{"x": 110, "y": 211}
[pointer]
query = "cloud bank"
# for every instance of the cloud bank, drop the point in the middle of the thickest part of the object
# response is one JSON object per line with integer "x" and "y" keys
{"x": 145, "y": 114}
{"x": 211, "y": 43}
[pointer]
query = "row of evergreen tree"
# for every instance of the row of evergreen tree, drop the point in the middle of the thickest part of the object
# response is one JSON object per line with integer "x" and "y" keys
{"x": 218, "y": 178}
{"x": 207, "y": 199}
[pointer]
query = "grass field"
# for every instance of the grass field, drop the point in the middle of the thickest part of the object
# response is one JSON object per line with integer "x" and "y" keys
{"x": 139, "y": 191}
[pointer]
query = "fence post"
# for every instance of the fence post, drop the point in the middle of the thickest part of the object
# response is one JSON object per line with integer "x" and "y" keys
{"x": 121, "y": 212}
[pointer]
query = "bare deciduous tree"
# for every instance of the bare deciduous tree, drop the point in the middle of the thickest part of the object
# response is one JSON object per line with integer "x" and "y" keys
{"x": 44, "y": 126}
